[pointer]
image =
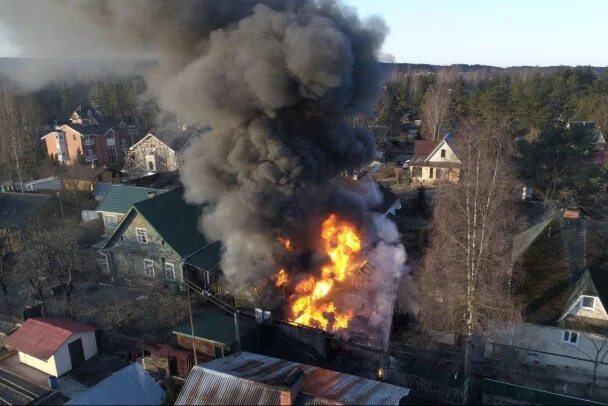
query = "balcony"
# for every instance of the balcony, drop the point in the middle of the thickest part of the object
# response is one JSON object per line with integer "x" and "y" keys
{"x": 90, "y": 158}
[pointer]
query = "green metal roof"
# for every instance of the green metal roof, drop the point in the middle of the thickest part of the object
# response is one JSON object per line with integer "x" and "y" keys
{"x": 177, "y": 223}
{"x": 120, "y": 198}
{"x": 215, "y": 327}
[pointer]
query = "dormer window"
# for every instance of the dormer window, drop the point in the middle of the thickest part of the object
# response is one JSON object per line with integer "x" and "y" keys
{"x": 110, "y": 135}
{"x": 588, "y": 302}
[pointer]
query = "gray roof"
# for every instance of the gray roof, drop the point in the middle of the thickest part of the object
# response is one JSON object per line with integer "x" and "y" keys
{"x": 249, "y": 379}
{"x": 130, "y": 386}
{"x": 175, "y": 139}
{"x": 16, "y": 209}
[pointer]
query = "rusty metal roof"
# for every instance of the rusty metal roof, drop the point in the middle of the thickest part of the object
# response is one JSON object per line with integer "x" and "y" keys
{"x": 41, "y": 337}
{"x": 257, "y": 379}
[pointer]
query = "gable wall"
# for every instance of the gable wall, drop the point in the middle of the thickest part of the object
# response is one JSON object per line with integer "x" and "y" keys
{"x": 450, "y": 156}
{"x": 598, "y": 312}
{"x": 165, "y": 157}
{"x": 128, "y": 255}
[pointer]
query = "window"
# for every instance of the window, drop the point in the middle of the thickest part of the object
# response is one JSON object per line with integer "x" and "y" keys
{"x": 570, "y": 337}
{"x": 431, "y": 173}
{"x": 112, "y": 153}
{"x": 110, "y": 135}
{"x": 148, "y": 268}
{"x": 89, "y": 151}
{"x": 110, "y": 221}
{"x": 74, "y": 137}
{"x": 588, "y": 302}
{"x": 169, "y": 271}
{"x": 416, "y": 172}
{"x": 142, "y": 235}
{"x": 443, "y": 153}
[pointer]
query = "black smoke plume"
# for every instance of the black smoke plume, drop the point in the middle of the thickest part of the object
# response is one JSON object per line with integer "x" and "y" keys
{"x": 275, "y": 81}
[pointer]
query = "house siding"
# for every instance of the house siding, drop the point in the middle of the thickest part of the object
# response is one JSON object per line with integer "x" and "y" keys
{"x": 128, "y": 255}
{"x": 543, "y": 345}
{"x": 47, "y": 366}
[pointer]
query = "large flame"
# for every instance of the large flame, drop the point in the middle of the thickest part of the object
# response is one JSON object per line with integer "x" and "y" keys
{"x": 311, "y": 303}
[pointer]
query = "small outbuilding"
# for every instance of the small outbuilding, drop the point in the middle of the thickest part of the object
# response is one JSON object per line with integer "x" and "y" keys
{"x": 53, "y": 346}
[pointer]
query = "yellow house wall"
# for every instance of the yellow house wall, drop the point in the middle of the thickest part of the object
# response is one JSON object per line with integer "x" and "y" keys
{"x": 47, "y": 367}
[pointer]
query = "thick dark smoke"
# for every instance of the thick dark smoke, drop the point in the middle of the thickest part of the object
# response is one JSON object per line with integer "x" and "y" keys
{"x": 274, "y": 80}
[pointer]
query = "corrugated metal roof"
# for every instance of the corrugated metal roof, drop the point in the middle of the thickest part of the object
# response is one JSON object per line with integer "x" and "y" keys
{"x": 131, "y": 385}
{"x": 215, "y": 327}
{"x": 120, "y": 198}
{"x": 41, "y": 337}
{"x": 235, "y": 380}
{"x": 422, "y": 149}
{"x": 207, "y": 387}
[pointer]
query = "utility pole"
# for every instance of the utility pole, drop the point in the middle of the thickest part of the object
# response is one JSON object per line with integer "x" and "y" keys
{"x": 60, "y": 204}
{"x": 237, "y": 332}
{"x": 191, "y": 325}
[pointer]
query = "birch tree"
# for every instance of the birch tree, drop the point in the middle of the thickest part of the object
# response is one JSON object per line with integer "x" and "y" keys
{"x": 19, "y": 126}
{"x": 464, "y": 282}
{"x": 435, "y": 110}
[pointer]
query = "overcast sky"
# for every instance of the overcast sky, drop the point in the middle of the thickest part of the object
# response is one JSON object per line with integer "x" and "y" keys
{"x": 490, "y": 32}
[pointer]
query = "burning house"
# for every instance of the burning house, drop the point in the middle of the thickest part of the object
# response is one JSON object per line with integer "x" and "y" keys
{"x": 275, "y": 81}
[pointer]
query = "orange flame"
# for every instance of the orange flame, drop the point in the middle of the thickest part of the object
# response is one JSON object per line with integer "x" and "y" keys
{"x": 311, "y": 304}
{"x": 285, "y": 242}
{"x": 281, "y": 279}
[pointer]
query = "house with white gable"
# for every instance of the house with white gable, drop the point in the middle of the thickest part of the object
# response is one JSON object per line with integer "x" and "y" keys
{"x": 435, "y": 161}
{"x": 560, "y": 269}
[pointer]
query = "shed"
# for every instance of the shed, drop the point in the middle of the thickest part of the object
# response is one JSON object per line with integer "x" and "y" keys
{"x": 53, "y": 183}
{"x": 53, "y": 346}
{"x": 131, "y": 385}
{"x": 214, "y": 334}
{"x": 254, "y": 379}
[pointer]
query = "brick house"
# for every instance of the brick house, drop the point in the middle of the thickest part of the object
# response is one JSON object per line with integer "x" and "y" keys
{"x": 159, "y": 239}
{"x": 98, "y": 139}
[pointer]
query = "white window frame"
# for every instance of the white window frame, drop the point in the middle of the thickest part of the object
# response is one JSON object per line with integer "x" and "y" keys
{"x": 170, "y": 266}
{"x": 141, "y": 234}
{"x": 148, "y": 264}
{"x": 567, "y": 336}
{"x": 112, "y": 156}
{"x": 592, "y": 307}
{"x": 110, "y": 216}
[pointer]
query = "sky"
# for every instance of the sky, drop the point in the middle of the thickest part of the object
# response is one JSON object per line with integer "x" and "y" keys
{"x": 493, "y": 32}
{"x": 488, "y": 32}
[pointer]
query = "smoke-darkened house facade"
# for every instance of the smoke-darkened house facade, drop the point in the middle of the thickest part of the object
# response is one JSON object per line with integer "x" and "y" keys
{"x": 158, "y": 151}
{"x": 157, "y": 240}
{"x": 89, "y": 137}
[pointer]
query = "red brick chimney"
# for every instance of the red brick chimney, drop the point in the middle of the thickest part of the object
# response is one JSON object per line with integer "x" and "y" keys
{"x": 291, "y": 386}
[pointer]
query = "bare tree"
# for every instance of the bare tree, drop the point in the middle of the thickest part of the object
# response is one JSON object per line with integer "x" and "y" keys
{"x": 56, "y": 255}
{"x": 436, "y": 107}
{"x": 465, "y": 276}
{"x": 19, "y": 126}
{"x": 5, "y": 258}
